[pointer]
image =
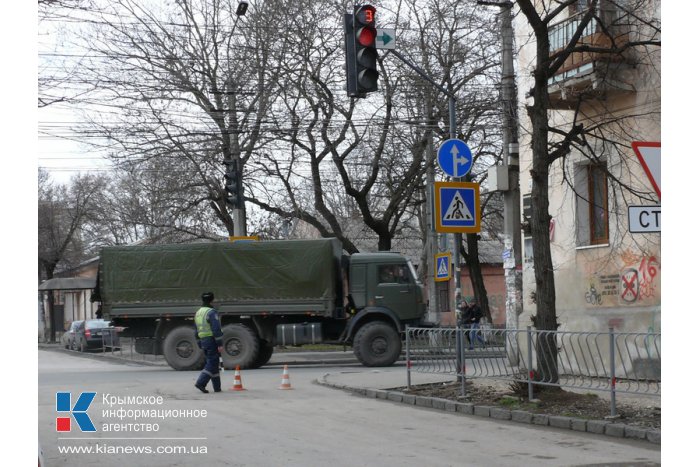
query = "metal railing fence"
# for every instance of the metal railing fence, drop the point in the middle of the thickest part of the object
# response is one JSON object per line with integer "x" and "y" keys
{"x": 126, "y": 347}
{"x": 613, "y": 362}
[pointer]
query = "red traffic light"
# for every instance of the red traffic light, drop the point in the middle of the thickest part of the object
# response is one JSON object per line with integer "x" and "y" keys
{"x": 366, "y": 36}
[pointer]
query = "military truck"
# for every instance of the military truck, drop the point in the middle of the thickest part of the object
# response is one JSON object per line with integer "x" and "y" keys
{"x": 267, "y": 293}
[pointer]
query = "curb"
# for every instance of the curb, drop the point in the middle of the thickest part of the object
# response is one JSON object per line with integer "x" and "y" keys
{"x": 601, "y": 427}
{"x": 291, "y": 361}
{"x": 98, "y": 355}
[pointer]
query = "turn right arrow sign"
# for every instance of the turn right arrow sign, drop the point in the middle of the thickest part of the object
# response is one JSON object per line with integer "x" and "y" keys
{"x": 386, "y": 39}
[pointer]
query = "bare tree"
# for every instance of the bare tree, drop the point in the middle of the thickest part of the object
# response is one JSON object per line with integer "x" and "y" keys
{"x": 188, "y": 84}
{"x": 62, "y": 212}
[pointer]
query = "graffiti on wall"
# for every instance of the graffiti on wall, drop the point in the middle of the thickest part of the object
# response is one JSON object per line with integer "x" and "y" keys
{"x": 636, "y": 282}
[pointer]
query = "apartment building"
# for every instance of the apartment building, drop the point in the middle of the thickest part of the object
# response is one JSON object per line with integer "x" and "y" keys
{"x": 604, "y": 197}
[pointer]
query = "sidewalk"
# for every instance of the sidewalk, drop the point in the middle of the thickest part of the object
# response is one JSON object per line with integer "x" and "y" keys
{"x": 384, "y": 384}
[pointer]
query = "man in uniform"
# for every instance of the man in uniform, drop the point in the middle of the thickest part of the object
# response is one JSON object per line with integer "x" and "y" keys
{"x": 209, "y": 339}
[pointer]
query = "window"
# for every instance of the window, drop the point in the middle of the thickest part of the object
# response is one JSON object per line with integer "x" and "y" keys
{"x": 591, "y": 183}
{"x": 394, "y": 274}
{"x": 579, "y": 6}
{"x": 527, "y": 228}
{"x": 527, "y": 215}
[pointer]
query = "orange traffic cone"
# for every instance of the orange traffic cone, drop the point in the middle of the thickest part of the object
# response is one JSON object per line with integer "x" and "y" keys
{"x": 285, "y": 379}
{"x": 237, "y": 383}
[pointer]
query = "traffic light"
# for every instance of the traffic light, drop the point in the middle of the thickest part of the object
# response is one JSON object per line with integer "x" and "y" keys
{"x": 232, "y": 183}
{"x": 361, "y": 51}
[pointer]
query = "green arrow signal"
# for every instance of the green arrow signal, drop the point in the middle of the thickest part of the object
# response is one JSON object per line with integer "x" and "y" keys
{"x": 386, "y": 38}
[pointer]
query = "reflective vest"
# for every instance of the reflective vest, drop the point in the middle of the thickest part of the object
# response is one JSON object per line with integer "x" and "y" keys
{"x": 203, "y": 326}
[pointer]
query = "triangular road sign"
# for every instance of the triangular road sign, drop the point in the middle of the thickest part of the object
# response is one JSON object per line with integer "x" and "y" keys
{"x": 442, "y": 267}
{"x": 649, "y": 155}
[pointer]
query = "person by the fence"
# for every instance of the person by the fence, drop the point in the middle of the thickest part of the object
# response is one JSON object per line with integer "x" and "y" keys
{"x": 474, "y": 316}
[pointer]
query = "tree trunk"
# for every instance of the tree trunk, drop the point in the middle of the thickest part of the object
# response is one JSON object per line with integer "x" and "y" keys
{"x": 545, "y": 297}
{"x": 471, "y": 258}
{"x": 384, "y": 243}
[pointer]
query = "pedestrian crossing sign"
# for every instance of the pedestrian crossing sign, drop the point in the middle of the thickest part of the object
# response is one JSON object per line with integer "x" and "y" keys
{"x": 442, "y": 267}
{"x": 457, "y": 207}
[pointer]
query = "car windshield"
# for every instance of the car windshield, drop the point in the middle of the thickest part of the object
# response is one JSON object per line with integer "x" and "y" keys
{"x": 96, "y": 324}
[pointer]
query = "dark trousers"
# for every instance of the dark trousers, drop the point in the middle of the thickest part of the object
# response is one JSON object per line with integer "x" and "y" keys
{"x": 211, "y": 364}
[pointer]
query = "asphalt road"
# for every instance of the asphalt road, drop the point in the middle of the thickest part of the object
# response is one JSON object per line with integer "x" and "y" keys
{"x": 310, "y": 425}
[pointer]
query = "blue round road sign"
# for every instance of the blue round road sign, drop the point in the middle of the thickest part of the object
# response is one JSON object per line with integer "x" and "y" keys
{"x": 455, "y": 158}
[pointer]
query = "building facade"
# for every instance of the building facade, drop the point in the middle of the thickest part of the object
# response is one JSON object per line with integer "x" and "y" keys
{"x": 604, "y": 199}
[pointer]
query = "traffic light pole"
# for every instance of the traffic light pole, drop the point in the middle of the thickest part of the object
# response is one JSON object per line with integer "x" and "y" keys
{"x": 234, "y": 195}
{"x": 453, "y": 135}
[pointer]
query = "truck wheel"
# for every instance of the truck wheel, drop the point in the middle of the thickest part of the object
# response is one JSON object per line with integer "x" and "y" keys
{"x": 241, "y": 346}
{"x": 377, "y": 344}
{"x": 181, "y": 351}
{"x": 264, "y": 354}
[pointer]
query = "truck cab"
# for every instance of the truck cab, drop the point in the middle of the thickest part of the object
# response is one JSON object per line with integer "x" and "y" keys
{"x": 386, "y": 296}
{"x": 386, "y": 280}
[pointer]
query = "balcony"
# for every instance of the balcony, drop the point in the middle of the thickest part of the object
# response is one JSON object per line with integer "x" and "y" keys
{"x": 590, "y": 75}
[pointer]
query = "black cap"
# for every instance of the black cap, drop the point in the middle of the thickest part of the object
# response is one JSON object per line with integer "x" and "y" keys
{"x": 207, "y": 297}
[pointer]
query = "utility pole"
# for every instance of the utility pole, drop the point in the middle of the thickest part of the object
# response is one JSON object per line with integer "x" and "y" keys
{"x": 513, "y": 269}
{"x": 511, "y": 198}
{"x": 431, "y": 241}
{"x": 235, "y": 169}
{"x": 513, "y": 263}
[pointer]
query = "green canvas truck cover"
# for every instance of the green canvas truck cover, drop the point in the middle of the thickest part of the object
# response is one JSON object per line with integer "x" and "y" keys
{"x": 236, "y": 272}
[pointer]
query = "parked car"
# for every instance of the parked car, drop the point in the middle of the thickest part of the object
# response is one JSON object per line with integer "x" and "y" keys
{"x": 92, "y": 334}
{"x": 68, "y": 336}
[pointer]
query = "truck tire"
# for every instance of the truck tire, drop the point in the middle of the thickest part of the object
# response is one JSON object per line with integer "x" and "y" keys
{"x": 377, "y": 344}
{"x": 241, "y": 346}
{"x": 181, "y": 351}
{"x": 264, "y": 354}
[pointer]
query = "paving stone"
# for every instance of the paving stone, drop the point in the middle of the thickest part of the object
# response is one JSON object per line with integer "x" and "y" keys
{"x": 482, "y": 410}
{"x": 439, "y": 403}
{"x": 560, "y": 422}
{"x": 409, "y": 399}
{"x": 615, "y": 429}
{"x": 500, "y": 414}
{"x": 578, "y": 424}
{"x": 540, "y": 419}
{"x": 596, "y": 426}
{"x": 422, "y": 401}
{"x": 636, "y": 432}
{"x": 654, "y": 436}
{"x": 466, "y": 408}
{"x": 521, "y": 416}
